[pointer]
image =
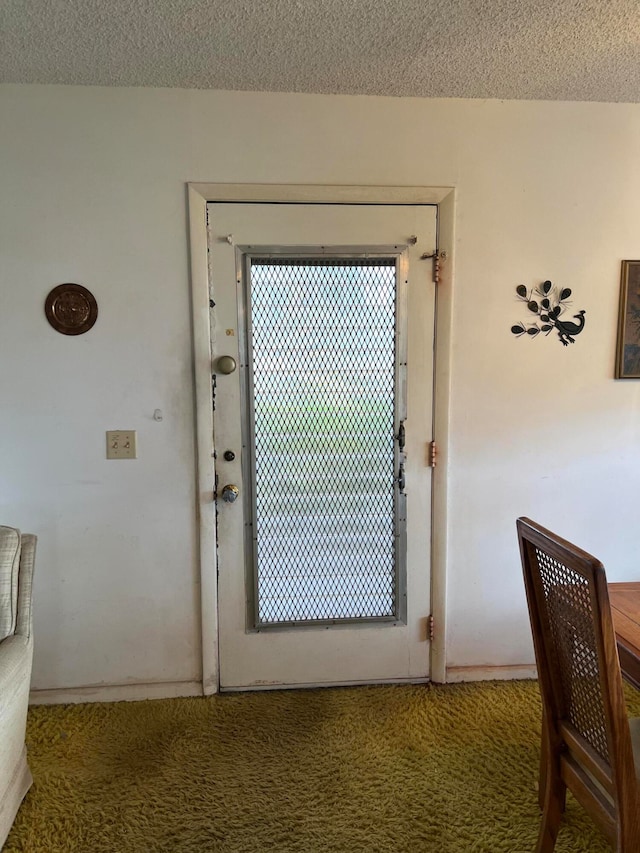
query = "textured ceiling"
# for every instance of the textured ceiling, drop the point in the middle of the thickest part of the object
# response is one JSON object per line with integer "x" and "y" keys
{"x": 530, "y": 49}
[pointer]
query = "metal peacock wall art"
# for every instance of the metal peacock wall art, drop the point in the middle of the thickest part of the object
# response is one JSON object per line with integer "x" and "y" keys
{"x": 549, "y": 303}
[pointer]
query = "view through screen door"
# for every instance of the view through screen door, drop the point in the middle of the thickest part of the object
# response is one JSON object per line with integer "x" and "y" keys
{"x": 321, "y": 432}
{"x": 325, "y": 355}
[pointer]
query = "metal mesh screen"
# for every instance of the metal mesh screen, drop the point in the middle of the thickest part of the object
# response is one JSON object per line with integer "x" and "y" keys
{"x": 570, "y": 614}
{"x": 322, "y": 344}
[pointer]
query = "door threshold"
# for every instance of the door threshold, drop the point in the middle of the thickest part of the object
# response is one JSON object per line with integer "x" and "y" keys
{"x": 314, "y": 685}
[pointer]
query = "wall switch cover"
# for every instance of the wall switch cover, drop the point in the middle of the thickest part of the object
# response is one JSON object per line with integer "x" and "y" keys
{"x": 121, "y": 444}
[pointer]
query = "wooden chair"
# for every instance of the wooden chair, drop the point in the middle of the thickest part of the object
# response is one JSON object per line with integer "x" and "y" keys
{"x": 588, "y": 741}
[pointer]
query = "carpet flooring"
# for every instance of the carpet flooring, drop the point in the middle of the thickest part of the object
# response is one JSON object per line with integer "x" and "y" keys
{"x": 366, "y": 770}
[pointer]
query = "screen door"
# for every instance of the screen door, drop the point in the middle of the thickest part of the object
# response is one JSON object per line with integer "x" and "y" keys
{"x": 324, "y": 357}
{"x": 323, "y": 567}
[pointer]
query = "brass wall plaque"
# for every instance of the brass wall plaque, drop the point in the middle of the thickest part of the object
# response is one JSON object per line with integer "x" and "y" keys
{"x": 71, "y": 309}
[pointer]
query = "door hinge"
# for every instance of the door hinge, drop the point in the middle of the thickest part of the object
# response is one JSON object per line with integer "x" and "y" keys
{"x": 435, "y": 258}
{"x": 433, "y": 454}
{"x": 430, "y": 628}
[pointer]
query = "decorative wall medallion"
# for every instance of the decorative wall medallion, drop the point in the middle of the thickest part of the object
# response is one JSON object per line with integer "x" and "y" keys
{"x": 549, "y": 304}
{"x": 71, "y": 309}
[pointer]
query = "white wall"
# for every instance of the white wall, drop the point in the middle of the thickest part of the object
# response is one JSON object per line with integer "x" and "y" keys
{"x": 92, "y": 190}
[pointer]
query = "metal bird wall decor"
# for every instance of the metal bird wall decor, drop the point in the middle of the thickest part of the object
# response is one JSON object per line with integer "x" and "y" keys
{"x": 549, "y": 303}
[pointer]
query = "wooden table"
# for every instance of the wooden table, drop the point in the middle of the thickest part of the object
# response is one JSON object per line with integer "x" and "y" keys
{"x": 625, "y": 611}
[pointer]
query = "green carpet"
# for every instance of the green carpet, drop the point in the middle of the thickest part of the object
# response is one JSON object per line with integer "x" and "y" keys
{"x": 443, "y": 769}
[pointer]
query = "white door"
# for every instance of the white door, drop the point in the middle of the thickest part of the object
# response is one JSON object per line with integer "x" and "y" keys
{"x": 322, "y": 422}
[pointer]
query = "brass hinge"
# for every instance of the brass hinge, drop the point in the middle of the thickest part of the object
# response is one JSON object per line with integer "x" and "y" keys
{"x": 435, "y": 257}
{"x": 433, "y": 454}
{"x": 430, "y": 628}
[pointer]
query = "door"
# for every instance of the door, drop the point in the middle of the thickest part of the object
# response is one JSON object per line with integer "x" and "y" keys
{"x": 322, "y": 422}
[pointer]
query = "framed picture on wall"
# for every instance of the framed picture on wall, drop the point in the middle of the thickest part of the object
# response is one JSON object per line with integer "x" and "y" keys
{"x": 628, "y": 350}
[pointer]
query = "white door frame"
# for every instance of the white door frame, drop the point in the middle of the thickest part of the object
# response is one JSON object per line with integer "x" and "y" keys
{"x": 199, "y": 195}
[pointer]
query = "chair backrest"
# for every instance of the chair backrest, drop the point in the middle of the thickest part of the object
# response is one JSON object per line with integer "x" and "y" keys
{"x": 579, "y": 673}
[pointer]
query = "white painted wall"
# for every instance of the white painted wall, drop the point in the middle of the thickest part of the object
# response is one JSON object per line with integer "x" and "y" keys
{"x": 92, "y": 190}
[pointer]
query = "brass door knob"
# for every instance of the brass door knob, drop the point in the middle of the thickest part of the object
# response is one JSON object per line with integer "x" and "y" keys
{"x": 230, "y": 493}
{"x": 226, "y": 364}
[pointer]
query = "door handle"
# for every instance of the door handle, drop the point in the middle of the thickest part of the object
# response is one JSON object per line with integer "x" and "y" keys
{"x": 226, "y": 364}
{"x": 230, "y": 493}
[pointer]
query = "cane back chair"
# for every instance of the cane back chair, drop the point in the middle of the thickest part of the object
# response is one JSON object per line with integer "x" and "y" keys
{"x": 588, "y": 741}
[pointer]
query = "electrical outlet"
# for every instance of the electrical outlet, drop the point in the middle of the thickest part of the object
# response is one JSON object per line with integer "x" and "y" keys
{"x": 121, "y": 444}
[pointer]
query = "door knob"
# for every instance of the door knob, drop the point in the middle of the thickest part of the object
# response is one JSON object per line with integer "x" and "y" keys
{"x": 226, "y": 364}
{"x": 230, "y": 493}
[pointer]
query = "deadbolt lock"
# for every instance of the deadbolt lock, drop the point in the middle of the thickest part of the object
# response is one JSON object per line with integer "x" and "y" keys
{"x": 230, "y": 493}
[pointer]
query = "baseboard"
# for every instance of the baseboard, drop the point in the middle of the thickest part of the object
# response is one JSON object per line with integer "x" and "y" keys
{"x": 490, "y": 673}
{"x": 174, "y": 689}
{"x": 116, "y": 693}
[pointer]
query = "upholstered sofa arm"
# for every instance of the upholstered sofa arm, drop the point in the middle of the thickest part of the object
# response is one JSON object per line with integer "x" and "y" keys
{"x": 15, "y": 670}
{"x": 15, "y": 778}
{"x": 16, "y": 655}
{"x": 24, "y": 624}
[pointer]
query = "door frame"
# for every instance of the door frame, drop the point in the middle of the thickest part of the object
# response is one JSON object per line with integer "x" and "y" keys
{"x": 199, "y": 195}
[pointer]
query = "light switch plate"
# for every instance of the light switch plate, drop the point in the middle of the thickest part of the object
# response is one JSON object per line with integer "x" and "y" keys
{"x": 121, "y": 444}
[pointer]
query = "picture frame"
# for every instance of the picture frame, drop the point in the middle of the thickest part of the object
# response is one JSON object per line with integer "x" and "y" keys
{"x": 628, "y": 347}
